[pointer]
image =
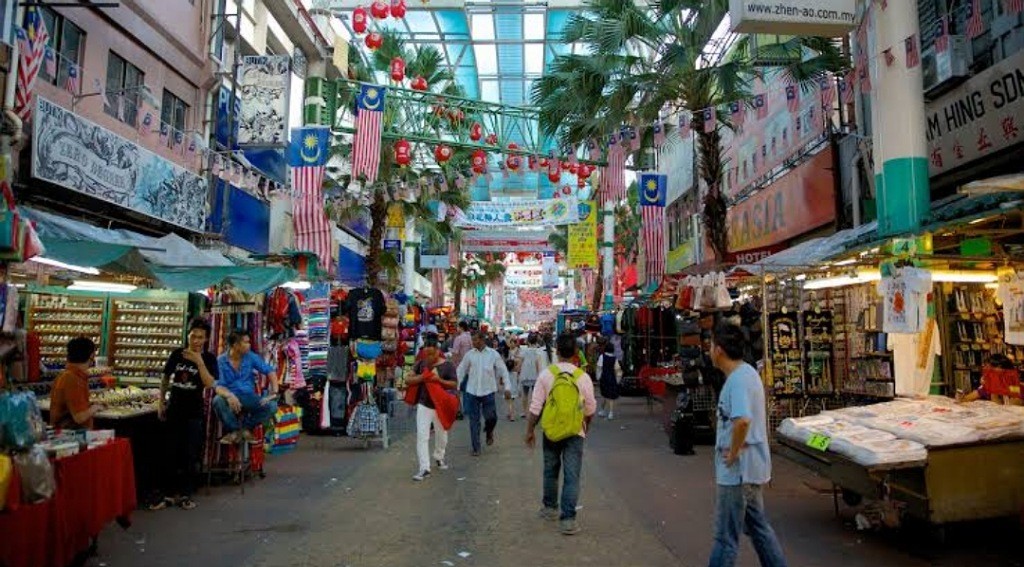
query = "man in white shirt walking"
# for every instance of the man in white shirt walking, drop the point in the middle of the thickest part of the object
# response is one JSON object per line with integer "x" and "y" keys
{"x": 478, "y": 375}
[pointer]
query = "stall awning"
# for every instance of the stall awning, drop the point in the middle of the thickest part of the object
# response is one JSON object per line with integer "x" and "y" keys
{"x": 811, "y": 252}
{"x": 250, "y": 279}
{"x": 116, "y": 258}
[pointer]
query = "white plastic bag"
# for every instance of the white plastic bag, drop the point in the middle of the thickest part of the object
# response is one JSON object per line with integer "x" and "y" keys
{"x": 37, "y": 482}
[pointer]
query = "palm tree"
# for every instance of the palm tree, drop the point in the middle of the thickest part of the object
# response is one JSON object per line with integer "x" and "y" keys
{"x": 428, "y": 62}
{"x": 471, "y": 272}
{"x": 643, "y": 60}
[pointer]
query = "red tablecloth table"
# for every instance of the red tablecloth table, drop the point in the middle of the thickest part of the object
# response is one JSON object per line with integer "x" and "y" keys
{"x": 94, "y": 488}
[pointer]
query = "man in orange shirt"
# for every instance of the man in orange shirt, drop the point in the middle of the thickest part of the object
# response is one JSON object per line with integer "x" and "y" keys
{"x": 69, "y": 400}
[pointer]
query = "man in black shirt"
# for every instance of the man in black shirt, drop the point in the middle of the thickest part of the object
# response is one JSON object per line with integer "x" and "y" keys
{"x": 187, "y": 374}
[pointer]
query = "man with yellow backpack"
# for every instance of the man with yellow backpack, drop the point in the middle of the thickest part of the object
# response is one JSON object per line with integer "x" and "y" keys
{"x": 563, "y": 403}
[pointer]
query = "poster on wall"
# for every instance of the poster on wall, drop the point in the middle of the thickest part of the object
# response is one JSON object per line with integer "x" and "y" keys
{"x": 583, "y": 238}
{"x": 264, "y": 82}
{"x": 787, "y": 363}
{"x": 75, "y": 153}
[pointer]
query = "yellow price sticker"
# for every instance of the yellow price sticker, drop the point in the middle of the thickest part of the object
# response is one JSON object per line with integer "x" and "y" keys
{"x": 819, "y": 441}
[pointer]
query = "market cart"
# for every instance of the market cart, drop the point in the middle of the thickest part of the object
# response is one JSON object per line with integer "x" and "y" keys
{"x": 956, "y": 483}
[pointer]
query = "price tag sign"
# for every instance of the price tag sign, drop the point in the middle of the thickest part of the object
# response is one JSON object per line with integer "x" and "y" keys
{"x": 819, "y": 441}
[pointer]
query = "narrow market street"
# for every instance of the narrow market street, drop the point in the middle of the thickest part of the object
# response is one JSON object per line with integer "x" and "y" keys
{"x": 333, "y": 503}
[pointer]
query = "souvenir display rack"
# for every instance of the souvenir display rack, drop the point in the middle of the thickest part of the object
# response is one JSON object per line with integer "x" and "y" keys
{"x": 143, "y": 333}
{"x": 974, "y": 332}
{"x": 59, "y": 317}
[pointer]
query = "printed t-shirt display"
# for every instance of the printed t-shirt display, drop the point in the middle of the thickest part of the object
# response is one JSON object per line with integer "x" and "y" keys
{"x": 70, "y": 395}
{"x": 365, "y": 313}
{"x": 906, "y": 300}
{"x": 186, "y": 384}
{"x": 1011, "y": 294}
{"x": 914, "y": 359}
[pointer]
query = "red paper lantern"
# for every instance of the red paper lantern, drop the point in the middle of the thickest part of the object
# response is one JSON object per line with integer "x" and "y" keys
{"x": 574, "y": 168}
{"x": 492, "y": 139}
{"x": 566, "y": 165}
{"x": 398, "y": 9}
{"x": 538, "y": 256}
{"x": 359, "y": 20}
{"x": 513, "y": 162}
{"x": 398, "y": 69}
{"x": 403, "y": 152}
{"x": 374, "y": 41}
{"x": 554, "y": 176}
{"x": 442, "y": 153}
{"x": 566, "y": 189}
{"x": 479, "y": 162}
{"x": 531, "y": 163}
{"x": 380, "y": 9}
{"x": 543, "y": 162}
{"x": 585, "y": 171}
{"x": 419, "y": 83}
{"x": 476, "y": 131}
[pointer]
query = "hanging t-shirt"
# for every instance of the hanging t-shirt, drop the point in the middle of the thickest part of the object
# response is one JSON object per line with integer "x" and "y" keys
{"x": 608, "y": 324}
{"x": 186, "y": 384}
{"x": 906, "y": 300}
{"x": 365, "y": 313}
{"x": 1011, "y": 294}
{"x": 914, "y": 359}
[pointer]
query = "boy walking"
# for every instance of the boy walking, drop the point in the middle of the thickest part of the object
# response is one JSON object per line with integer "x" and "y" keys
{"x": 565, "y": 395}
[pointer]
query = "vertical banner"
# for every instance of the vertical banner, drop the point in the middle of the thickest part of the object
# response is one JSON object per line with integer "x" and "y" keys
{"x": 583, "y": 238}
{"x": 549, "y": 271}
{"x": 652, "y": 227}
{"x": 264, "y": 82}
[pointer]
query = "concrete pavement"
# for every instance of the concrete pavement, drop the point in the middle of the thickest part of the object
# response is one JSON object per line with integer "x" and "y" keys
{"x": 333, "y": 503}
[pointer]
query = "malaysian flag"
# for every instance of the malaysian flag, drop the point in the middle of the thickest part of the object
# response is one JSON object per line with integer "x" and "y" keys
{"x": 659, "y": 134}
{"x": 846, "y": 88}
{"x": 595, "y": 149}
{"x": 179, "y": 140}
{"x": 307, "y": 156}
{"x": 975, "y": 25}
{"x": 191, "y": 152}
{"x": 215, "y": 165}
{"x": 32, "y": 40}
{"x": 73, "y": 84}
{"x": 165, "y": 132}
{"x": 828, "y": 94}
{"x": 1013, "y": 6}
{"x": 684, "y": 125}
{"x": 614, "y": 179}
{"x": 761, "y": 105}
{"x": 50, "y": 62}
{"x": 913, "y": 54}
{"x": 792, "y": 98}
{"x": 737, "y": 113}
{"x": 709, "y": 118}
{"x": 635, "y": 135}
{"x": 942, "y": 39}
{"x": 146, "y": 118}
{"x": 889, "y": 57}
{"x": 652, "y": 227}
{"x": 366, "y": 142}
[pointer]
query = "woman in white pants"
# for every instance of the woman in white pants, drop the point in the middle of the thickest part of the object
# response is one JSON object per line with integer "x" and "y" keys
{"x": 432, "y": 367}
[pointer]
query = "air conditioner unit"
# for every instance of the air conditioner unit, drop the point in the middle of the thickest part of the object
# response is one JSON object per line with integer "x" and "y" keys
{"x": 951, "y": 67}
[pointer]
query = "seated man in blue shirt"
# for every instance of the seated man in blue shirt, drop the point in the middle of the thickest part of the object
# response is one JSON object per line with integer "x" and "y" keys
{"x": 236, "y": 389}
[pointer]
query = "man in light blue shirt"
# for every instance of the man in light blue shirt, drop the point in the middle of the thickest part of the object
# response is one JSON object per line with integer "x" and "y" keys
{"x": 742, "y": 458}
{"x": 236, "y": 389}
{"x": 478, "y": 375}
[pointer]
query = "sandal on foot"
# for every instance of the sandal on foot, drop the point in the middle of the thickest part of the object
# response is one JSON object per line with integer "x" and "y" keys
{"x": 186, "y": 503}
{"x": 161, "y": 504}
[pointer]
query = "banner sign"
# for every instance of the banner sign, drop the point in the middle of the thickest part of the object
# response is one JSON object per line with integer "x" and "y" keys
{"x": 264, "y": 82}
{"x": 823, "y": 18}
{"x": 978, "y": 118}
{"x": 506, "y": 214}
{"x": 753, "y": 255}
{"x": 394, "y": 247}
{"x": 524, "y": 276}
{"x": 764, "y": 144}
{"x": 505, "y": 241}
{"x": 434, "y": 255}
{"x": 75, "y": 153}
{"x": 583, "y": 238}
{"x": 549, "y": 273}
{"x": 799, "y": 202}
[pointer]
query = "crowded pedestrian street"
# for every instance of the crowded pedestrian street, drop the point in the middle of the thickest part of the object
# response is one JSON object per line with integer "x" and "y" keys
{"x": 332, "y": 503}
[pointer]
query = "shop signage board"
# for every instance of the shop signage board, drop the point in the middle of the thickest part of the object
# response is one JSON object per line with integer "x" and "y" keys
{"x": 524, "y": 277}
{"x": 549, "y": 271}
{"x": 800, "y": 201}
{"x": 754, "y": 255}
{"x": 434, "y": 255}
{"x": 394, "y": 247}
{"x": 583, "y": 238}
{"x": 75, "y": 153}
{"x": 978, "y": 118}
{"x": 264, "y": 82}
{"x": 505, "y": 241}
{"x": 507, "y": 214}
{"x": 824, "y": 18}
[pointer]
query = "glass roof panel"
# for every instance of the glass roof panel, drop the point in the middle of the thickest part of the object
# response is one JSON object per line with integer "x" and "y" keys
{"x": 533, "y": 27}
{"x": 483, "y": 27}
{"x": 486, "y": 58}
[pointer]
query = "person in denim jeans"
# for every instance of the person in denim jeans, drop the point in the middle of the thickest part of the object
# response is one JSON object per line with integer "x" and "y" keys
{"x": 742, "y": 459}
{"x": 478, "y": 374}
{"x": 236, "y": 389}
{"x": 565, "y": 456}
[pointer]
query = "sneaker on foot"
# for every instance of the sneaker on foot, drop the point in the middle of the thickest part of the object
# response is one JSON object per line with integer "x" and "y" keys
{"x": 441, "y": 464}
{"x": 490, "y": 438}
{"x": 549, "y": 514}
{"x": 569, "y": 527}
{"x": 420, "y": 475}
{"x": 475, "y": 453}
{"x": 611, "y": 416}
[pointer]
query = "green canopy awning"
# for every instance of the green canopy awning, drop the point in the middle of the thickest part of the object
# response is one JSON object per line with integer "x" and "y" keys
{"x": 250, "y": 279}
{"x": 115, "y": 258}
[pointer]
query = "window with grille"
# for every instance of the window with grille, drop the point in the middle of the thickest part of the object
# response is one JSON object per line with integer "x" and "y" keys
{"x": 124, "y": 83}
{"x": 67, "y": 42}
{"x": 172, "y": 112}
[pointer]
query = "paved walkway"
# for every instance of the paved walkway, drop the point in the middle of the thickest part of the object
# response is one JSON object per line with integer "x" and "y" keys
{"x": 333, "y": 503}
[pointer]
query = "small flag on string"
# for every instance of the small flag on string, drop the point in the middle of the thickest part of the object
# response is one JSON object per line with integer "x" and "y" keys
{"x": 215, "y": 165}
{"x": 913, "y": 53}
{"x": 50, "y": 62}
{"x": 146, "y": 121}
{"x": 761, "y": 105}
{"x": 191, "y": 152}
{"x": 102, "y": 91}
{"x": 889, "y": 57}
{"x": 942, "y": 39}
{"x": 864, "y": 77}
{"x": 1013, "y": 6}
{"x": 165, "y": 132}
{"x": 792, "y": 99}
{"x": 659, "y": 134}
{"x": 72, "y": 83}
{"x": 975, "y": 25}
{"x": 847, "y": 86}
{"x": 635, "y": 137}
{"x": 828, "y": 94}
{"x": 684, "y": 125}
{"x": 710, "y": 119}
{"x": 737, "y": 113}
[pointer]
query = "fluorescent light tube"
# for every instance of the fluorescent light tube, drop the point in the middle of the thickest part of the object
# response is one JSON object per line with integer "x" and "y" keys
{"x": 63, "y": 266}
{"x": 297, "y": 285}
{"x": 109, "y": 287}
